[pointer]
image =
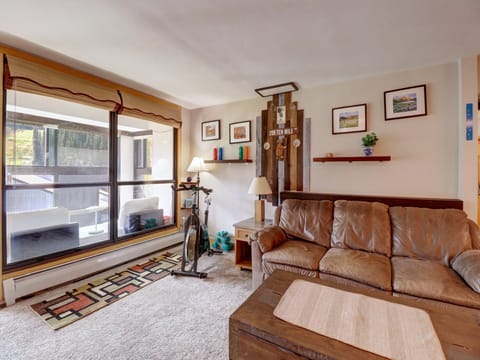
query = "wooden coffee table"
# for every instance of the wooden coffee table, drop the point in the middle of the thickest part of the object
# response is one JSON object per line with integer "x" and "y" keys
{"x": 254, "y": 333}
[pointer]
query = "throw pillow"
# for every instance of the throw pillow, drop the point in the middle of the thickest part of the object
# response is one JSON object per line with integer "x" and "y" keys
{"x": 132, "y": 223}
{"x": 467, "y": 265}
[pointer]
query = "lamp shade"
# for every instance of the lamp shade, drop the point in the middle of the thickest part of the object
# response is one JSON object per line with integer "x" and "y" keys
{"x": 260, "y": 186}
{"x": 197, "y": 165}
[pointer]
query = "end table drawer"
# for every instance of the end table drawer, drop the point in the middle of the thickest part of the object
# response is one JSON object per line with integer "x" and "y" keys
{"x": 243, "y": 234}
{"x": 243, "y": 250}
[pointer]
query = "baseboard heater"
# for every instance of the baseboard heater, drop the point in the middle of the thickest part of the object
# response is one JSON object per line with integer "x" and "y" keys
{"x": 14, "y": 288}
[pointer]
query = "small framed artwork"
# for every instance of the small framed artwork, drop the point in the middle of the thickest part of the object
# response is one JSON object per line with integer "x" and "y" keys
{"x": 281, "y": 115}
{"x": 188, "y": 203}
{"x": 349, "y": 119}
{"x": 406, "y": 102}
{"x": 240, "y": 132}
{"x": 211, "y": 130}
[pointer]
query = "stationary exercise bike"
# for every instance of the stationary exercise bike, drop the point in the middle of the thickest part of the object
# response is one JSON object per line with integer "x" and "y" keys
{"x": 196, "y": 241}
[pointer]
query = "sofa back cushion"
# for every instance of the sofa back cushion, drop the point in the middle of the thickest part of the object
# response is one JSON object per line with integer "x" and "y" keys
{"x": 432, "y": 234}
{"x": 309, "y": 220}
{"x": 276, "y": 216}
{"x": 34, "y": 219}
{"x": 361, "y": 225}
{"x": 136, "y": 205}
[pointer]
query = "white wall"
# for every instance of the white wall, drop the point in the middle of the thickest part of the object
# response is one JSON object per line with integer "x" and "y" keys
{"x": 424, "y": 149}
{"x": 230, "y": 182}
{"x": 468, "y": 150}
{"x": 185, "y": 148}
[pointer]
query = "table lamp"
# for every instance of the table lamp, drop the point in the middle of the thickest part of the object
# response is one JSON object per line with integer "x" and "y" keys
{"x": 197, "y": 165}
{"x": 260, "y": 187}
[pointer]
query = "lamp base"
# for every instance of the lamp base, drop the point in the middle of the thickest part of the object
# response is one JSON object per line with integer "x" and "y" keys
{"x": 260, "y": 210}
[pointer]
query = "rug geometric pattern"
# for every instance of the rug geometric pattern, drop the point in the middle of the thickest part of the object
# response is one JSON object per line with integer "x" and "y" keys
{"x": 64, "y": 310}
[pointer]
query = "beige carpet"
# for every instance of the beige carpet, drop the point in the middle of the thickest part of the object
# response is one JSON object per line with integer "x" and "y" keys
{"x": 175, "y": 318}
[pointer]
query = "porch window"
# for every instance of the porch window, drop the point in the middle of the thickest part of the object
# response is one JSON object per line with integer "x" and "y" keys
{"x": 65, "y": 192}
{"x": 145, "y": 175}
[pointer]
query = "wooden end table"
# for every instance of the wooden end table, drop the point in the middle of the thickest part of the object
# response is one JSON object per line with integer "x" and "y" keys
{"x": 243, "y": 250}
{"x": 255, "y": 333}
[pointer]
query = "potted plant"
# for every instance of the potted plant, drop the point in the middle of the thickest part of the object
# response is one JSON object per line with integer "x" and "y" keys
{"x": 368, "y": 142}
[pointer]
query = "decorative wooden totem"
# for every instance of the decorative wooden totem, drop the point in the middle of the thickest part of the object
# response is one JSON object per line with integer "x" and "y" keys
{"x": 282, "y": 146}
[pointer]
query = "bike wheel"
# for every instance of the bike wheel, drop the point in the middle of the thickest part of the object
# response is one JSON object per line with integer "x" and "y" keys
{"x": 190, "y": 244}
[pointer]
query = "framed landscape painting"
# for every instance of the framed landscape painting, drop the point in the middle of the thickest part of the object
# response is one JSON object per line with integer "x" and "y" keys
{"x": 406, "y": 102}
{"x": 240, "y": 132}
{"x": 211, "y": 130}
{"x": 349, "y": 119}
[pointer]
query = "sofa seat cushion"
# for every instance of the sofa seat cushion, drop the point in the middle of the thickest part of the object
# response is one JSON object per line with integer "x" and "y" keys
{"x": 269, "y": 268}
{"x": 338, "y": 280}
{"x": 297, "y": 253}
{"x": 432, "y": 280}
{"x": 361, "y": 225}
{"x": 431, "y": 234}
{"x": 43, "y": 241}
{"x": 368, "y": 268}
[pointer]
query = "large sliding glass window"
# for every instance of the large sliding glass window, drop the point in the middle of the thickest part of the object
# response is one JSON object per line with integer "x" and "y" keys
{"x": 145, "y": 175}
{"x": 63, "y": 189}
{"x": 57, "y": 170}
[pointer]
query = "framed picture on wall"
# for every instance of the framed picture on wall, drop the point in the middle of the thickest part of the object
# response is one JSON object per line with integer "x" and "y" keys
{"x": 406, "y": 102}
{"x": 211, "y": 130}
{"x": 188, "y": 203}
{"x": 240, "y": 132}
{"x": 349, "y": 119}
{"x": 281, "y": 115}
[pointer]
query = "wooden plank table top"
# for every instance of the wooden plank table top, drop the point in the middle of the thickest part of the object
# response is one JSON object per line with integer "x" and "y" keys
{"x": 254, "y": 332}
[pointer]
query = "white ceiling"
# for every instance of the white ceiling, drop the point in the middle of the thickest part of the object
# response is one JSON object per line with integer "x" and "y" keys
{"x": 204, "y": 52}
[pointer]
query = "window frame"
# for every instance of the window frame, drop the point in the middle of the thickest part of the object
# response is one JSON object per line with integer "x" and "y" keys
{"x": 113, "y": 183}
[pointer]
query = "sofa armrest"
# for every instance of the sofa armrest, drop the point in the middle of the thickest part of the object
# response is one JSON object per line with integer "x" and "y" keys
{"x": 269, "y": 238}
{"x": 467, "y": 265}
{"x": 257, "y": 269}
{"x": 474, "y": 233}
{"x": 263, "y": 241}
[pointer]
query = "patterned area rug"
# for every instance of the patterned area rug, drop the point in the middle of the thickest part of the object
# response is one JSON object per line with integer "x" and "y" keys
{"x": 78, "y": 303}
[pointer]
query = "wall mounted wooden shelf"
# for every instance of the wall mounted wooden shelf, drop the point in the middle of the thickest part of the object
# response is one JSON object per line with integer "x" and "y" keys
{"x": 233, "y": 161}
{"x": 352, "y": 158}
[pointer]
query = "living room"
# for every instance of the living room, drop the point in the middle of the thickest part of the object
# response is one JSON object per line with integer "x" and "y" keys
{"x": 430, "y": 155}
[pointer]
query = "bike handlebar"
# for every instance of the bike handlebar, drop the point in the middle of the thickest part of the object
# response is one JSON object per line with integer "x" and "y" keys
{"x": 192, "y": 187}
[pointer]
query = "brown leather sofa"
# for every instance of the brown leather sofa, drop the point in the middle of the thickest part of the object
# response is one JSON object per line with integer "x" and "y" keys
{"x": 418, "y": 251}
